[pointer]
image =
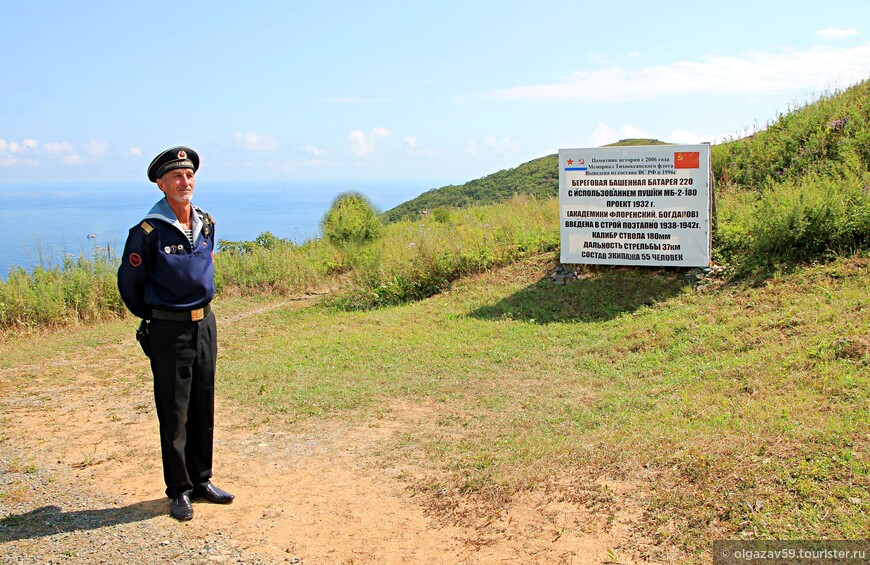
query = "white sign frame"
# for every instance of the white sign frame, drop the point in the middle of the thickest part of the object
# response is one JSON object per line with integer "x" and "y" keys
{"x": 646, "y": 205}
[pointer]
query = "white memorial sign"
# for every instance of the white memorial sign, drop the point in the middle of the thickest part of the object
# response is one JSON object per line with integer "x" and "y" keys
{"x": 639, "y": 205}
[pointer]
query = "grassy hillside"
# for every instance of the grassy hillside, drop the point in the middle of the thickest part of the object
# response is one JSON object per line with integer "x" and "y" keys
{"x": 794, "y": 192}
{"x": 538, "y": 178}
{"x": 829, "y": 136}
{"x": 734, "y": 409}
{"x": 797, "y": 190}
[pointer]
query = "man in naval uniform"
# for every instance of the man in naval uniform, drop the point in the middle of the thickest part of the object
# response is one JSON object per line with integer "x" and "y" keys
{"x": 166, "y": 278}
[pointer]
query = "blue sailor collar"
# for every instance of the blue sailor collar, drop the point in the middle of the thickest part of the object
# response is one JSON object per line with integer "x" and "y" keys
{"x": 163, "y": 212}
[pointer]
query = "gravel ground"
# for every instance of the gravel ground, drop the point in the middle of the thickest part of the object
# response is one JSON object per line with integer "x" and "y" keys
{"x": 54, "y": 520}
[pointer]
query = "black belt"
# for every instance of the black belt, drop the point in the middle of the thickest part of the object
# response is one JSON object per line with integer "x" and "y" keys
{"x": 183, "y": 316}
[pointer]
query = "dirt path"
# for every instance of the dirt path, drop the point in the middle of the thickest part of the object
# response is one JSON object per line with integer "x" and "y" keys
{"x": 81, "y": 483}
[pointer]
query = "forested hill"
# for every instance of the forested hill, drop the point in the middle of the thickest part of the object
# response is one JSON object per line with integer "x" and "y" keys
{"x": 539, "y": 178}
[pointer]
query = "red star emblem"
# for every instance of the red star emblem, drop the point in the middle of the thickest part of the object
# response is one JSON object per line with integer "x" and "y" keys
{"x": 570, "y": 161}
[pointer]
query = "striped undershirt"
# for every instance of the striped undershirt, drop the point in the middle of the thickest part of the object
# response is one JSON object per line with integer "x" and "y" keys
{"x": 189, "y": 234}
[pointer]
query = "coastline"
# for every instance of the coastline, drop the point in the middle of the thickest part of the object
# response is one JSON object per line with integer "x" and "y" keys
{"x": 43, "y": 223}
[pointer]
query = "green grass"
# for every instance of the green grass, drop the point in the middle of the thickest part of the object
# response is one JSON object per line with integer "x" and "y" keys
{"x": 78, "y": 291}
{"x": 739, "y": 410}
{"x": 747, "y": 404}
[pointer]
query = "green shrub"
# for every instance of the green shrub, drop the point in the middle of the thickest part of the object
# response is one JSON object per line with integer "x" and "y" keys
{"x": 81, "y": 290}
{"x": 442, "y": 215}
{"x": 416, "y": 259}
{"x": 796, "y": 191}
{"x": 814, "y": 217}
{"x": 272, "y": 265}
{"x": 266, "y": 240}
{"x": 733, "y": 234}
{"x": 351, "y": 219}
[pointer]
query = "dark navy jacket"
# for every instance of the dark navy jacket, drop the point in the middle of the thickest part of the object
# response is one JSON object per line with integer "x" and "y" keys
{"x": 160, "y": 269}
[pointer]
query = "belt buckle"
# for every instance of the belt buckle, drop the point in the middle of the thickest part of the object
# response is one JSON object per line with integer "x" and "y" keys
{"x": 197, "y": 315}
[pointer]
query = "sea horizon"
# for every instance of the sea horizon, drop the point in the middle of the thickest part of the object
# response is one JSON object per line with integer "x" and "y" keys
{"x": 43, "y": 223}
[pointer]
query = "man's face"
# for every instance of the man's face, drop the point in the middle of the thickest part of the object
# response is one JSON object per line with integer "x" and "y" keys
{"x": 177, "y": 184}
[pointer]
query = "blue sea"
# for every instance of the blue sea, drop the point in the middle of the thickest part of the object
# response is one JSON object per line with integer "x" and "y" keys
{"x": 43, "y": 223}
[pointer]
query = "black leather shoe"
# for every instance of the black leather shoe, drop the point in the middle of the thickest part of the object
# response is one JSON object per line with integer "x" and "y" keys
{"x": 180, "y": 509}
{"x": 213, "y": 494}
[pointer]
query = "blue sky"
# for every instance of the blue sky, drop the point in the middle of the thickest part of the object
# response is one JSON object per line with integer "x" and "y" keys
{"x": 445, "y": 90}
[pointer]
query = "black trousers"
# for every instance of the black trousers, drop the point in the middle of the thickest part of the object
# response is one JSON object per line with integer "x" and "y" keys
{"x": 183, "y": 361}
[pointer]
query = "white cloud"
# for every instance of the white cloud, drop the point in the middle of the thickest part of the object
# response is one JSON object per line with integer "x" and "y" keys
{"x": 63, "y": 152}
{"x": 135, "y": 151}
{"x": 753, "y": 73}
{"x": 413, "y": 148}
{"x": 260, "y": 166}
{"x": 836, "y": 33}
{"x": 13, "y": 154}
{"x": 685, "y": 137}
{"x": 690, "y": 138}
{"x": 318, "y": 161}
{"x": 287, "y": 166}
{"x": 631, "y": 132}
{"x": 363, "y": 145}
{"x": 604, "y": 135}
{"x": 253, "y": 141}
{"x": 489, "y": 144}
{"x": 96, "y": 148}
{"x": 31, "y": 153}
{"x": 319, "y": 164}
{"x": 358, "y": 144}
{"x": 10, "y": 147}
